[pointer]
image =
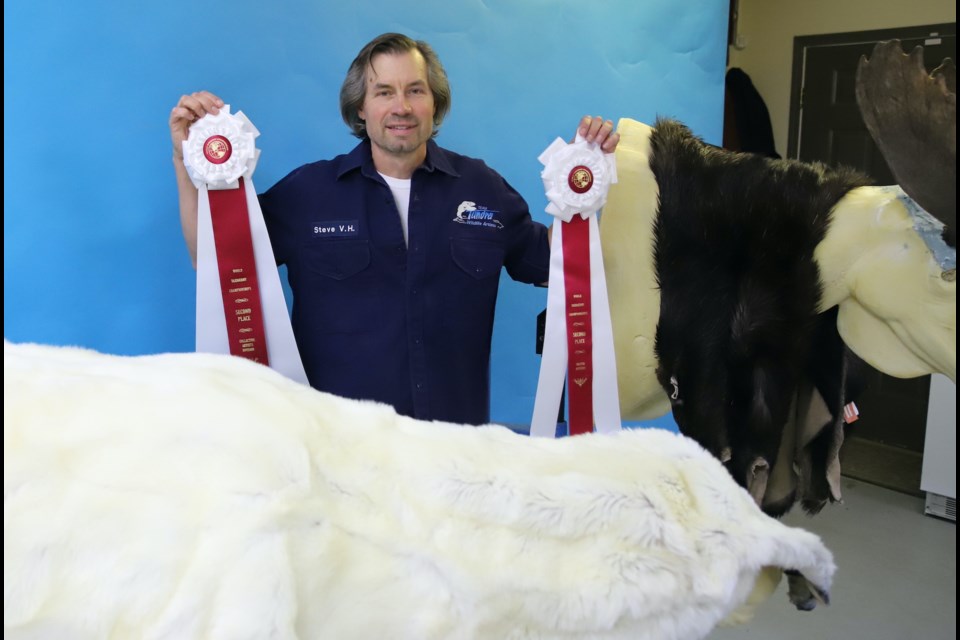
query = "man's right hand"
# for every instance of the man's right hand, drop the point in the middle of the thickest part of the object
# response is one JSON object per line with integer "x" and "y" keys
{"x": 188, "y": 110}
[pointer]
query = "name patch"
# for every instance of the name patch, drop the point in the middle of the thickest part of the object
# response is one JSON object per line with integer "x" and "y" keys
{"x": 336, "y": 228}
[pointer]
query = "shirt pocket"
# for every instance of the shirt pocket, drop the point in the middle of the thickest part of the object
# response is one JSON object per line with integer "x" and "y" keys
{"x": 338, "y": 260}
{"x": 479, "y": 259}
{"x": 340, "y": 291}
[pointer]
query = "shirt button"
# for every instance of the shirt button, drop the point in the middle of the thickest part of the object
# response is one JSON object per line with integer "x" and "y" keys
{"x": 419, "y": 385}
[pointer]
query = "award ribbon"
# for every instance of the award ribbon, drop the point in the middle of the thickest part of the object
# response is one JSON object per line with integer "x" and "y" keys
{"x": 237, "y": 267}
{"x": 241, "y": 309}
{"x": 578, "y": 338}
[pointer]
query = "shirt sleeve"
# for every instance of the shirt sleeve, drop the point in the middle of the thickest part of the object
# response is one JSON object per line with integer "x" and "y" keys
{"x": 528, "y": 250}
{"x": 278, "y": 204}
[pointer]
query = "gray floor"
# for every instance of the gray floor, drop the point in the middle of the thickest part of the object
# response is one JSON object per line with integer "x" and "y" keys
{"x": 896, "y": 574}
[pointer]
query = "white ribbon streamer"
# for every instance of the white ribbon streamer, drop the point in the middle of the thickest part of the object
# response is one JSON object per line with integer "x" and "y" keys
{"x": 206, "y": 175}
{"x": 560, "y": 160}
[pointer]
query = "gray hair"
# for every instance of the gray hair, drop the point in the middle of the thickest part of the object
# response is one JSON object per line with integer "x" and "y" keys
{"x": 353, "y": 90}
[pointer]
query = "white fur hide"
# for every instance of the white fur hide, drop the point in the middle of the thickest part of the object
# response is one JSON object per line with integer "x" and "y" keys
{"x": 199, "y": 496}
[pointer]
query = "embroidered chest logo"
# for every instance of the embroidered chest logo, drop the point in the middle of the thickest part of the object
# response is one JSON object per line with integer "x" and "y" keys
{"x": 335, "y": 228}
{"x": 469, "y": 213}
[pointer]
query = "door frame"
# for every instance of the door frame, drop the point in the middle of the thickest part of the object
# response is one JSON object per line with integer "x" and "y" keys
{"x": 802, "y": 43}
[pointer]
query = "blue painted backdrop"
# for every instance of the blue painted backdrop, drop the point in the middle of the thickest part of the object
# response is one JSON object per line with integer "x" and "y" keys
{"x": 93, "y": 253}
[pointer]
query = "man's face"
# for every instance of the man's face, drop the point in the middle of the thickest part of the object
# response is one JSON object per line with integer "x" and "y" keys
{"x": 398, "y": 107}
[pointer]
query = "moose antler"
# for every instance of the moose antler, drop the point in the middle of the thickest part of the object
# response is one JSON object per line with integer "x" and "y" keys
{"x": 912, "y": 117}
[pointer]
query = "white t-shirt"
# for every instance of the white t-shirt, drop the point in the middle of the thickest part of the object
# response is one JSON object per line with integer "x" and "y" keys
{"x": 401, "y": 195}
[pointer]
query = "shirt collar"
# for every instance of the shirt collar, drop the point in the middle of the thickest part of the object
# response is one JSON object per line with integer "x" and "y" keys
{"x": 362, "y": 158}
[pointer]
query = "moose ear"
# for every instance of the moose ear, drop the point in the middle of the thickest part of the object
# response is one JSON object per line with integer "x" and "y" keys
{"x": 912, "y": 116}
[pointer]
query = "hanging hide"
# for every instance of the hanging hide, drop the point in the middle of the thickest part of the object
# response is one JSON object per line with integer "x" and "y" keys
{"x": 738, "y": 338}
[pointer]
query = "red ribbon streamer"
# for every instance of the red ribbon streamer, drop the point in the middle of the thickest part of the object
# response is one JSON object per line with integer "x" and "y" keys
{"x": 238, "y": 273}
{"x": 576, "y": 282}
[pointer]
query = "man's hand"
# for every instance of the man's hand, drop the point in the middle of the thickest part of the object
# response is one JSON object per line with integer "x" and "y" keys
{"x": 596, "y": 129}
{"x": 188, "y": 110}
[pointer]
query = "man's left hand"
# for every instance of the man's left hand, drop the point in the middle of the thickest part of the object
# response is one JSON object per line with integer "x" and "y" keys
{"x": 596, "y": 129}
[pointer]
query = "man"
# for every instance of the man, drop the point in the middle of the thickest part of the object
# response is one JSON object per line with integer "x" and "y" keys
{"x": 394, "y": 250}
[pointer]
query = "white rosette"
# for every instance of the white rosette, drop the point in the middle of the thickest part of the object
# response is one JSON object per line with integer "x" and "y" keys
{"x": 559, "y": 160}
{"x": 243, "y": 157}
{"x": 225, "y": 173}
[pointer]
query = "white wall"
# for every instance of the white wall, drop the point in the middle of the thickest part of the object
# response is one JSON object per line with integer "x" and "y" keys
{"x": 940, "y": 449}
{"x": 766, "y": 29}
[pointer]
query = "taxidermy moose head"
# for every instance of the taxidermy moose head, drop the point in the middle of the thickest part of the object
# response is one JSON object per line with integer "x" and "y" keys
{"x": 737, "y": 282}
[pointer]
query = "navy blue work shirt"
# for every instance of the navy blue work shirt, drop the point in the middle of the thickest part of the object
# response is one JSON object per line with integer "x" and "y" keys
{"x": 409, "y": 326}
